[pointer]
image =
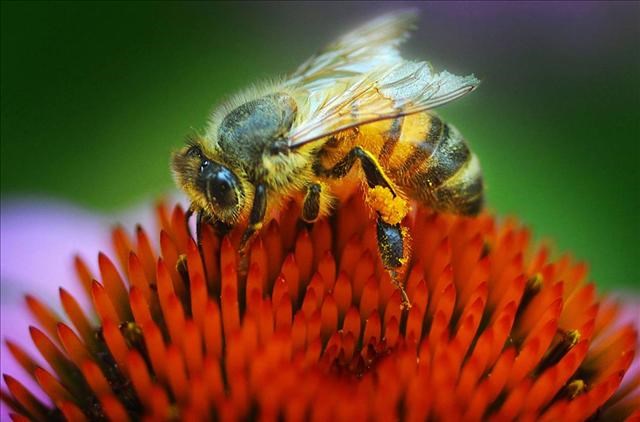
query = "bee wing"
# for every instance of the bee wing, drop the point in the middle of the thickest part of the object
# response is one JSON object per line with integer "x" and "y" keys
{"x": 362, "y": 78}
{"x": 386, "y": 92}
{"x": 357, "y": 52}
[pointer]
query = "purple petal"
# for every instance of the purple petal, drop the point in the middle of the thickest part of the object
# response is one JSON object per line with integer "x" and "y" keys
{"x": 39, "y": 239}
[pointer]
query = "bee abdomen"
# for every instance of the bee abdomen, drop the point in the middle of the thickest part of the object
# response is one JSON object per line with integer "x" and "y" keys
{"x": 450, "y": 178}
{"x": 463, "y": 193}
{"x": 425, "y": 149}
{"x": 449, "y": 155}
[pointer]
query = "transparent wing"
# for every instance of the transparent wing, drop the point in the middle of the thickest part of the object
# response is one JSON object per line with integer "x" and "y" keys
{"x": 358, "y": 52}
{"x": 385, "y": 92}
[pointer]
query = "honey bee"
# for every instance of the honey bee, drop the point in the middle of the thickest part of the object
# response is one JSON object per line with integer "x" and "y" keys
{"x": 355, "y": 111}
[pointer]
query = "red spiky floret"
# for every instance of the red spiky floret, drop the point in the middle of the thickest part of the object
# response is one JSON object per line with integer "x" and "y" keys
{"x": 308, "y": 325}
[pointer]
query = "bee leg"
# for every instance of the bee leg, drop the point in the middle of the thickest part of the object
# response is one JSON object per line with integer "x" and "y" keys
{"x": 311, "y": 204}
{"x": 390, "y": 209}
{"x": 373, "y": 171}
{"x": 221, "y": 229}
{"x": 258, "y": 211}
{"x": 391, "y": 248}
{"x": 200, "y": 220}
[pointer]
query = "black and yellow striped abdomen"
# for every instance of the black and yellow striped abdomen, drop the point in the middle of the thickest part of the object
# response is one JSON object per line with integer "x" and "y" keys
{"x": 435, "y": 165}
{"x": 426, "y": 158}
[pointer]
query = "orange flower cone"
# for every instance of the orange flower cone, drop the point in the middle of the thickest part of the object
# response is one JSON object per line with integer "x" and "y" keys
{"x": 308, "y": 326}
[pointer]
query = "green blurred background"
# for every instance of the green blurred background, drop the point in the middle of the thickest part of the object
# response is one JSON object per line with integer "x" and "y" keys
{"x": 96, "y": 95}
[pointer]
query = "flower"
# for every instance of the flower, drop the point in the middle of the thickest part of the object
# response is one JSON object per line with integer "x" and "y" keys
{"x": 308, "y": 325}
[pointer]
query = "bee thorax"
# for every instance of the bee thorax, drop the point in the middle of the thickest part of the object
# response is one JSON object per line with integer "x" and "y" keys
{"x": 256, "y": 127}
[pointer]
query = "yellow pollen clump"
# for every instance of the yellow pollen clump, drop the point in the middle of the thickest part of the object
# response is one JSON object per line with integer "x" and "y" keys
{"x": 392, "y": 209}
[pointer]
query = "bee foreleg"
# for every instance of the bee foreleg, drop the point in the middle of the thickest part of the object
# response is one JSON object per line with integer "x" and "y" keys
{"x": 221, "y": 228}
{"x": 311, "y": 204}
{"x": 199, "y": 221}
{"x": 258, "y": 211}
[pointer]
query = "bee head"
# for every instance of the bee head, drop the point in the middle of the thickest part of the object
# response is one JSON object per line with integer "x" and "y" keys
{"x": 213, "y": 186}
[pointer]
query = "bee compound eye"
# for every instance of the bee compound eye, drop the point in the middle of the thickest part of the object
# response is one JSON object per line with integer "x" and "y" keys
{"x": 219, "y": 184}
{"x": 223, "y": 188}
